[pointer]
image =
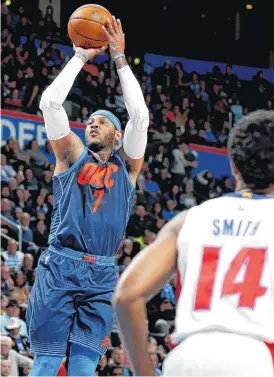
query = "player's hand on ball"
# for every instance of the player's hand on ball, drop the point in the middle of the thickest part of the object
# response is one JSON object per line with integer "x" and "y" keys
{"x": 90, "y": 52}
{"x": 115, "y": 36}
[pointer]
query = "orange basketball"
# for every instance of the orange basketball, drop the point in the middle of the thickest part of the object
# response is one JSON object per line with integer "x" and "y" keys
{"x": 85, "y": 26}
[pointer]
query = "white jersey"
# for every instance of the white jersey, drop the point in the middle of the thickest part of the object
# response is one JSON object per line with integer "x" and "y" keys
{"x": 226, "y": 266}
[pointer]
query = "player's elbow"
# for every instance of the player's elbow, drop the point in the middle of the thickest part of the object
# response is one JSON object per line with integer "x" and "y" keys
{"x": 124, "y": 294}
{"x": 144, "y": 115}
{"x": 48, "y": 99}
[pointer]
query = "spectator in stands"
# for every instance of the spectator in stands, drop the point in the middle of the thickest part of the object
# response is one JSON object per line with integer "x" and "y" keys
{"x": 13, "y": 257}
{"x": 209, "y": 135}
{"x": 159, "y": 161}
{"x": 50, "y": 25}
{"x": 19, "y": 342}
{"x": 27, "y": 233}
{"x": 38, "y": 160}
{"x": 203, "y": 93}
{"x": 190, "y": 160}
{"x": 42, "y": 48}
{"x": 269, "y": 105}
{"x": 139, "y": 222}
{"x": 151, "y": 188}
{"x": 28, "y": 199}
{"x": 27, "y": 267}
{"x": 40, "y": 205}
{"x": 7, "y": 283}
{"x": 19, "y": 200}
{"x": 14, "y": 102}
{"x": 127, "y": 246}
{"x": 40, "y": 235}
{"x": 16, "y": 359}
{"x": 187, "y": 199}
{"x": 162, "y": 136}
{"x": 110, "y": 100}
{"x": 230, "y": 80}
{"x": 6, "y": 208}
{"x": 4, "y": 303}
{"x": 178, "y": 165}
{"x": 119, "y": 100}
{"x": 12, "y": 187}
{"x": 5, "y": 192}
{"x": 168, "y": 290}
{"x": 13, "y": 310}
{"x": 46, "y": 181}
{"x": 154, "y": 358}
{"x": 30, "y": 99}
{"x": 102, "y": 367}
{"x": 83, "y": 115}
{"x": 20, "y": 292}
{"x": 169, "y": 212}
{"x": 30, "y": 182}
{"x": 149, "y": 237}
{"x": 157, "y": 211}
{"x": 164, "y": 181}
{"x": 117, "y": 371}
{"x": 23, "y": 27}
{"x": 7, "y": 171}
{"x": 5, "y": 367}
{"x": 8, "y": 150}
{"x": 237, "y": 109}
{"x": 174, "y": 194}
{"x": 195, "y": 83}
{"x": 118, "y": 357}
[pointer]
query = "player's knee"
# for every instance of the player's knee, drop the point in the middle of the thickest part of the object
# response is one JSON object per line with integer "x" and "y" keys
{"x": 83, "y": 361}
{"x": 46, "y": 365}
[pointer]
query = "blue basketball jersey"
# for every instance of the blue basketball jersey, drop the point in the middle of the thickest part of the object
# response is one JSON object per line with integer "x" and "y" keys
{"x": 92, "y": 205}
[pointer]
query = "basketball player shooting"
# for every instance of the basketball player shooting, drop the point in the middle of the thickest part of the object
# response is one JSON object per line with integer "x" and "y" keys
{"x": 224, "y": 252}
{"x": 93, "y": 191}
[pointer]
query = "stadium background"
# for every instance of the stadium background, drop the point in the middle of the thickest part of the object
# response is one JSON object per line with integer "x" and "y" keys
{"x": 192, "y": 105}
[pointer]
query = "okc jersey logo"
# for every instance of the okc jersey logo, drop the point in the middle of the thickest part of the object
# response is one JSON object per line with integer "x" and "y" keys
{"x": 98, "y": 176}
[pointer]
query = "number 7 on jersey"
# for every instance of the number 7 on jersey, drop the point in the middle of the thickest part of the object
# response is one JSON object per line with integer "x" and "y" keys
{"x": 248, "y": 290}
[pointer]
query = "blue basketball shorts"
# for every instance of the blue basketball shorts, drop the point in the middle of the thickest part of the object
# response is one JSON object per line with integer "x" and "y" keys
{"x": 71, "y": 302}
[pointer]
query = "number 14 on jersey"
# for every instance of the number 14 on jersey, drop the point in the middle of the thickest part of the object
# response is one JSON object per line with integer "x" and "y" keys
{"x": 248, "y": 290}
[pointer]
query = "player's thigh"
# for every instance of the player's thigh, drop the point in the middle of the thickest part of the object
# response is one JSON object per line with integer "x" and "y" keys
{"x": 50, "y": 311}
{"x": 93, "y": 323}
{"x": 218, "y": 354}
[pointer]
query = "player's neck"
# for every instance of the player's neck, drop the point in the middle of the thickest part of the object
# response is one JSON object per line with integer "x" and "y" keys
{"x": 242, "y": 187}
{"x": 103, "y": 155}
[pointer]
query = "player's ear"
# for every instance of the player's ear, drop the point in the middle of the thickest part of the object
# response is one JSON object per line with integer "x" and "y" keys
{"x": 118, "y": 136}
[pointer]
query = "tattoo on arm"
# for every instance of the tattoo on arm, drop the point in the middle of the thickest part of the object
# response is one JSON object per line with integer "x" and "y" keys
{"x": 120, "y": 63}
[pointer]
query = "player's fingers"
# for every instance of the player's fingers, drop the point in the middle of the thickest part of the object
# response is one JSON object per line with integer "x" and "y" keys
{"x": 109, "y": 27}
{"x": 120, "y": 26}
{"x": 115, "y": 25}
{"x": 108, "y": 36}
{"x": 102, "y": 49}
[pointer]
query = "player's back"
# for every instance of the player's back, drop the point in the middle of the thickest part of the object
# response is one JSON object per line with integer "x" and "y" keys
{"x": 226, "y": 263}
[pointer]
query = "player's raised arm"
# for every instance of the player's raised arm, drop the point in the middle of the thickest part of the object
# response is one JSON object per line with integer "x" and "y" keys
{"x": 135, "y": 137}
{"x": 66, "y": 145}
{"x": 143, "y": 278}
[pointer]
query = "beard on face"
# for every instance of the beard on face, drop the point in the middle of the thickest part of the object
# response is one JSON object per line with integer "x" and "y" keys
{"x": 106, "y": 143}
{"x": 95, "y": 146}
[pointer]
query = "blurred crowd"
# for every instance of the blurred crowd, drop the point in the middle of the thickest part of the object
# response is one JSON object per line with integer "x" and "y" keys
{"x": 185, "y": 108}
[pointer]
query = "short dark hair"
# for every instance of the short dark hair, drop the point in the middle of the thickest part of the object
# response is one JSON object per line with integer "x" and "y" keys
{"x": 251, "y": 148}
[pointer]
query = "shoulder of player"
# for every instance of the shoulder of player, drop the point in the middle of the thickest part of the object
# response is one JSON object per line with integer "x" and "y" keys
{"x": 174, "y": 226}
